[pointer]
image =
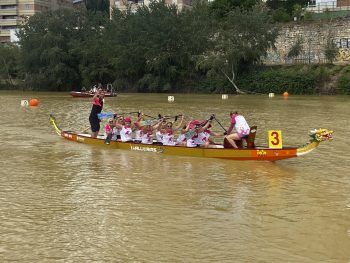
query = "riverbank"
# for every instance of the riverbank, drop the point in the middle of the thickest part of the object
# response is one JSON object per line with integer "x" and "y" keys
{"x": 297, "y": 79}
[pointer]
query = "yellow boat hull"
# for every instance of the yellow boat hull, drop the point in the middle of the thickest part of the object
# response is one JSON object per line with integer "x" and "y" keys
{"x": 259, "y": 153}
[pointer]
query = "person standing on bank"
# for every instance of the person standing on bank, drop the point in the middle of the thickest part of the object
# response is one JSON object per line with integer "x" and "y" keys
{"x": 97, "y": 105}
{"x": 241, "y": 126}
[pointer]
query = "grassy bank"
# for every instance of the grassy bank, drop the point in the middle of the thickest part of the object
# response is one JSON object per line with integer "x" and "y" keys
{"x": 297, "y": 79}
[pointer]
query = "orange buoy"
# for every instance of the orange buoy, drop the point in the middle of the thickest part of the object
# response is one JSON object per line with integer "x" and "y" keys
{"x": 285, "y": 94}
{"x": 33, "y": 102}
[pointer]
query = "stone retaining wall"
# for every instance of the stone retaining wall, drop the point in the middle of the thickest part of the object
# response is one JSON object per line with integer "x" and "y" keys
{"x": 314, "y": 36}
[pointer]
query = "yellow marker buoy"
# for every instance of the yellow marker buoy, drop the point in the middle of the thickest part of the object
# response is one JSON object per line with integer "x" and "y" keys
{"x": 285, "y": 94}
{"x": 34, "y": 102}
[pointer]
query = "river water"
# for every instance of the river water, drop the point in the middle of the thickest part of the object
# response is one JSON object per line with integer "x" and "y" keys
{"x": 68, "y": 202}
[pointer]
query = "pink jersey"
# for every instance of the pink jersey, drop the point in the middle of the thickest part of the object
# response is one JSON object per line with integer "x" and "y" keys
{"x": 108, "y": 128}
{"x": 96, "y": 101}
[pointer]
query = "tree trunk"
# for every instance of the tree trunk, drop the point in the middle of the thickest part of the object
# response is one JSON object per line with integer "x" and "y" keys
{"x": 232, "y": 82}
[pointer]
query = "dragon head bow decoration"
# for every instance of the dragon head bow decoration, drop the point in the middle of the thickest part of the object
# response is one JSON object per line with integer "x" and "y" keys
{"x": 320, "y": 135}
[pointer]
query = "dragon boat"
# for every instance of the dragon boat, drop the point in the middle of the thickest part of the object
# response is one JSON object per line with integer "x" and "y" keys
{"x": 258, "y": 153}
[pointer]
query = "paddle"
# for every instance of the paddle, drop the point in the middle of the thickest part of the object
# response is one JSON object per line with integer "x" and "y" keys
{"x": 104, "y": 115}
{"x": 220, "y": 124}
{"x": 86, "y": 129}
{"x": 108, "y": 138}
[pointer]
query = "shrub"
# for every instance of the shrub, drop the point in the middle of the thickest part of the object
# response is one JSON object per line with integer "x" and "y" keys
{"x": 281, "y": 15}
{"x": 343, "y": 83}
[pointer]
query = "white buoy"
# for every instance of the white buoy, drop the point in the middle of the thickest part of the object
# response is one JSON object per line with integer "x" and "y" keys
{"x": 271, "y": 95}
{"x": 224, "y": 96}
{"x": 24, "y": 103}
{"x": 171, "y": 98}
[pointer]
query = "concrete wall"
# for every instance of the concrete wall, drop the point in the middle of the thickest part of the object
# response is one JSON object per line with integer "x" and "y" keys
{"x": 314, "y": 36}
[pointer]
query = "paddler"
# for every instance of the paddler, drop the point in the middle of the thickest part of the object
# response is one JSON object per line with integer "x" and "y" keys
{"x": 241, "y": 127}
{"x": 195, "y": 131}
{"x": 97, "y": 105}
{"x": 168, "y": 133}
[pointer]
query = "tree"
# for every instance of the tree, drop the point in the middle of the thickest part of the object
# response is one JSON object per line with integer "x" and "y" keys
{"x": 296, "y": 49}
{"x": 296, "y": 11}
{"x": 62, "y": 48}
{"x": 220, "y": 8}
{"x": 97, "y": 5}
{"x": 242, "y": 39}
{"x": 9, "y": 64}
{"x": 330, "y": 50}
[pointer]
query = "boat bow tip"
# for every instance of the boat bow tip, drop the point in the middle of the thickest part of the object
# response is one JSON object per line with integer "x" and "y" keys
{"x": 316, "y": 137}
{"x": 53, "y": 123}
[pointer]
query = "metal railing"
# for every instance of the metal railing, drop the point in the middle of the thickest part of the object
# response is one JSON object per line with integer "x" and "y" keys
{"x": 328, "y": 6}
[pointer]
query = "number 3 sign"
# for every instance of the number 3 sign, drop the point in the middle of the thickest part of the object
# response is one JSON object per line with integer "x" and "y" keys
{"x": 275, "y": 139}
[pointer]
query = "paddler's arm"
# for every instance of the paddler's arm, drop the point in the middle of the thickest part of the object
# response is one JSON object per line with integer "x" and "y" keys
{"x": 233, "y": 122}
{"x": 139, "y": 117}
{"x": 118, "y": 126}
{"x": 229, "y": 130}
{"x": 158, "y": 126}
{"x": 187, "y": 127}
{"x": 180, "y": 124}
{"x": 95, "y": 95}
{"x": 208, "y": 122}
{"x": 215, "y": 134}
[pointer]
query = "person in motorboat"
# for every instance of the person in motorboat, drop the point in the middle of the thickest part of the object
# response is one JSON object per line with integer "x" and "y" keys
{"x": 242, "y": 129}
{"x": 97, "y": 105}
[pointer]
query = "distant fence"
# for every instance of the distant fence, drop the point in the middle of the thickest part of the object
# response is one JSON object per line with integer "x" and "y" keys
{"x": 274, "y": 58}
{"x": 328, "y": 6}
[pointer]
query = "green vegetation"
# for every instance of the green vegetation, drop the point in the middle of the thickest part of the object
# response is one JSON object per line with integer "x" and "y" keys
{"x": 343, "y": 83}
{"x": 156, "y": 49}
{"x": 298, "y": 79}
{"x": 159, "y": 49}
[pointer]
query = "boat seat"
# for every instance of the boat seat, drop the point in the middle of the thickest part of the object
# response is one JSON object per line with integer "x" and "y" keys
{"x": 250, "y": 138}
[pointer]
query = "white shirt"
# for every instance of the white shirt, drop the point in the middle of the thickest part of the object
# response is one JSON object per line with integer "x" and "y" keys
{"x": 146, "y": 139}
{"x": 138, "y": 135}
{"x": 168, "y": 139}
{"x": 115, "y": 132}
{"x": 201, "y": 139}
{"x": 181, "y": 138}
{"x": 125, "y": 134}
{"x": 241, "y": 125}
{"x": 159, "y": 136}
